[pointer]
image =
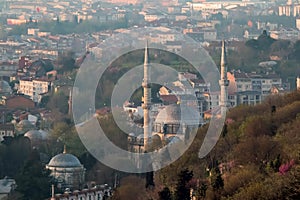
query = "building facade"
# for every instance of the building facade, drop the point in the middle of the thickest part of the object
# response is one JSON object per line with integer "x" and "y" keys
{"x": 34, "y": 88}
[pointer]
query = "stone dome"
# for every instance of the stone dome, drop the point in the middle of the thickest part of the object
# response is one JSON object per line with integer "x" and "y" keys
{"x": 34, "y": 135}
{"x": 23, "y": 126}
{"x": 25, "y": 122}
{"x": 64, "y": 160}
{"x": 44, "y": 134}
{"x": 5, "y": 87}
{"x": 176, "y": 113}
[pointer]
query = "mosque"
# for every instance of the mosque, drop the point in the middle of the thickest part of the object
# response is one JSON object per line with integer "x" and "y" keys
{"x": 175, "y": 121}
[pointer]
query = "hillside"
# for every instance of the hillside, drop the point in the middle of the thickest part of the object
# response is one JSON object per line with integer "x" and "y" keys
{"x": 257, "y": 157}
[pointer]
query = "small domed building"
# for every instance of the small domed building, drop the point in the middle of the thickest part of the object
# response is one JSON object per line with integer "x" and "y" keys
{"x": 23, "y": 126}
{"x": 5, "y": 88}
{"x": 67, "y": 170}
{"x": 35, "y": 137}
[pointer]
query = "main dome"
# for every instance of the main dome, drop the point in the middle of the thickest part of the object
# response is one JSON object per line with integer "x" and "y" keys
{"x": 176, "y": 114}
{"x": 64, "y": 160}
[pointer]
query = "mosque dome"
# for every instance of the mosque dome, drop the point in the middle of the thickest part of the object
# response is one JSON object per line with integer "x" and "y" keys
{"x": 44, "y": 134}
{"x": 67, "y": 170}
{"x": 23, "y": 126}
{"x": 5, "y": 87}
{"x": 176, "y": 114}
{"x": 25, "y": 122}
{"x": 64, "y": 160}
{"x": 34, "y": 135}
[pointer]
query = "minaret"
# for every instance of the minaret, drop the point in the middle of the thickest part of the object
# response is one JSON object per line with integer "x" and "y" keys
{"x": 70, "y": 102}
{"x": 52, "y": 193}
{"x": 224, "y": 82}
{"x": 147, "y": 98}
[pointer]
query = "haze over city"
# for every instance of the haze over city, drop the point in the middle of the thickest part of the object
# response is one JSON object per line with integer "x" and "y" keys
{"x": 149, "y": 99}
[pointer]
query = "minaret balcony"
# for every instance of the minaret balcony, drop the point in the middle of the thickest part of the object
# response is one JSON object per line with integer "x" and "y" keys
{"x": 146, "y": 85}
{"x": 144, "y": 106}
{"x": 224, "y": 82}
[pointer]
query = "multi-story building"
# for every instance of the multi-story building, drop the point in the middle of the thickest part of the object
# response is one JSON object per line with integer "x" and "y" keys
{"x": 289, "y": 10}
{"x": 34, "y": 88}
{"x": 6, "y": 130}
{"x": 285, "y": 34}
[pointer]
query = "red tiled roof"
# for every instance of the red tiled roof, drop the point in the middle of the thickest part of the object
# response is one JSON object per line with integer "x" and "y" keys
{"x": 169, "y": 98}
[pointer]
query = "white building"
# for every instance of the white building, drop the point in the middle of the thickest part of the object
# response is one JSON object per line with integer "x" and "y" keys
{"x": 6, "y": 130}
{"x": 99, "y": 192}
{"x": 7, "y": 185}
{"x": 34, "y": 88}
{"x": 285, "y": 34}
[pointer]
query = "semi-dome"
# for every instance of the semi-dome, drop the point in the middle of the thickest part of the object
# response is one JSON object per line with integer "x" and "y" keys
{"x": 4, "y": 87}
{"x": 176, "y": 114}
{"x": 25, "y": 122}
{"x": 44, "y": 134}
{"x": 64, "y": 160}
{"x": 34, "y": 135}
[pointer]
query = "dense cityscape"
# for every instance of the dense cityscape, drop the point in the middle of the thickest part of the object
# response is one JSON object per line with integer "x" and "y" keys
{"x": 202, "y": 95}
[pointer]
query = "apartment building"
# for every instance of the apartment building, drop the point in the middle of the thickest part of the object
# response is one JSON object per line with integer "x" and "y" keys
{"x": 34, "y": 88}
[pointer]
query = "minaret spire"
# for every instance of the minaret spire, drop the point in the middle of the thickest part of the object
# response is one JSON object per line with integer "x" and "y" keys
{"x": 70, "y": 102}
{"x": 52, "y": 193}
{"x": 147, "y": 98}
{"x": 65, "y": 149}
{"x": 224, "y": 82}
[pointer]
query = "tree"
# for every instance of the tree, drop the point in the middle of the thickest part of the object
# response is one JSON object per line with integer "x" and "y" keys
{"x": 149, "y": 179}
{"x": 13, "y": 153}
{"x": 216, "y": 179}
{"x": 58, "y": 101}
{"x": 165, "y": 194}
{"x": 182, "y": 191}
{"x": 67, "y": 61}
{"x": 34, "y": 180}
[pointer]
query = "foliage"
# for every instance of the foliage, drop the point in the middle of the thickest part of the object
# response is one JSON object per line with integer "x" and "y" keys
{"x": 13, "y": 154}
{"x": 67, "y": 62}
{"x": 58, "y": 101}
{"x": 34, "y": 180}
{"x": 258, "y": 163}
{"x": 216, "y": 179}
{"x": 165, "y": 194}
{"x": 128, "y": 190}
{"x": 67, "y": 135}
{"x": 182, "y": 191}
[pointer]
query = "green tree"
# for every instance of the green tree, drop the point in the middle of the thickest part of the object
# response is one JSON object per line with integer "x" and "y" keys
{"x": 165, "y": 194}
{"x": 216, "y": 179}
{"x": 182, "y": 191}
{"x": 67, "y": 61}
{"x": 59, "y": 101}
{"x": 34, "y": 180}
